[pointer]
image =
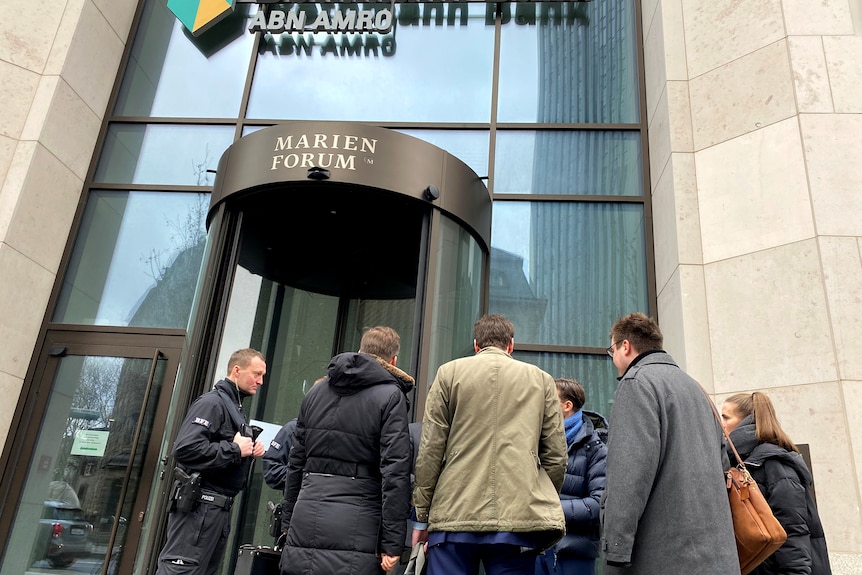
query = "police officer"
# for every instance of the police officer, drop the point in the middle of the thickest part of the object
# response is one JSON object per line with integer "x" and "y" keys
{"x": 275, "y": 459}
{"x": 215, "y": 441}
{"x": 274, "y": 463}
{"x": 277, "y": 455}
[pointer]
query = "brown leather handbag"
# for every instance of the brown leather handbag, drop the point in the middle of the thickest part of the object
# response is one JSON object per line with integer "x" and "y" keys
{"x": 758, "y": 532}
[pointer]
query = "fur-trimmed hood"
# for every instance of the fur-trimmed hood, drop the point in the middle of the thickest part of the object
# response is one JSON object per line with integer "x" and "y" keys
{"x": 351, "y": 372}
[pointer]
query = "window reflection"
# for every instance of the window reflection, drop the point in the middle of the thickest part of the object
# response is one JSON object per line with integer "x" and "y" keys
{"x": 135, "y": 261}
{"x": 564, "y": 271}
{"x": 568, "y": 162}
{"x": 75, "y": 482}
{"x": 471, "y": 147}
{"x": 435, "y": 65}
{"x": 456, "y": 295}
{"x": 568, "y": 62}
{"x": 596, "y": 373}
{"x": 162, "y": 154}
{"x": 170, "y": 73}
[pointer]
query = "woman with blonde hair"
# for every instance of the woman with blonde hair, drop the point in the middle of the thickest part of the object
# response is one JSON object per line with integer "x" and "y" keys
{"x": 775, "y": 463}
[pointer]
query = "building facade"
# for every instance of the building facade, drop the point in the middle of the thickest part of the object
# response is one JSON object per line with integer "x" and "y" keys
{"x": 696, "y": 161}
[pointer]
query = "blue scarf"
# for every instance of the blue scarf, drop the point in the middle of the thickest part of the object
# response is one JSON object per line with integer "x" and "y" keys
{"x": 573, "y": 425}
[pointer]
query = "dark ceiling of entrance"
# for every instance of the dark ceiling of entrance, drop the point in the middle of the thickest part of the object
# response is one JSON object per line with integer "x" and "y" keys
{"x": 334, "y": 239}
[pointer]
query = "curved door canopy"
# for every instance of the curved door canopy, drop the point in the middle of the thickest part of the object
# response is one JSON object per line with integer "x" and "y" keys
{"x": 302, "y": 159}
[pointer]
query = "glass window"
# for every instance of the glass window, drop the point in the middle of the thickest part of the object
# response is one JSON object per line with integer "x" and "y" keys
{"x": 568, "y": 162}
{"x": 136, "y": 260}
{"x": 563, "y": 272}
{"x": 568, "y": 62}
{"x": 170, "y": 73}
{"x": 471, "y": 147}
{"x": 162, "y": 154}
{"x": 596, "y": 373}
{"x": 435, "y": 65}
{"x": 251, "y": 129}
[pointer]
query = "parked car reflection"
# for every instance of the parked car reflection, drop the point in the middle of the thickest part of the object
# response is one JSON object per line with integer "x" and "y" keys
{"x": 64, "y": 534}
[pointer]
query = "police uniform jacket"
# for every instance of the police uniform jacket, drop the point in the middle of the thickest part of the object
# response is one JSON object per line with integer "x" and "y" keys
{"x": 274, "y": 461}
{"x": 784, "y": 480}
{"x": 205, "y": 439}
{"x": 348, "y": 484}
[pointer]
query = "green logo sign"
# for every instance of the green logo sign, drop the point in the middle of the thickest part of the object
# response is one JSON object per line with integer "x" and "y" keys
{"x": 200, "y": 15}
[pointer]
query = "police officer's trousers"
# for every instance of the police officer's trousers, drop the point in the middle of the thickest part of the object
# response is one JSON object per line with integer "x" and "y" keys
{"x": 195, "y": 541}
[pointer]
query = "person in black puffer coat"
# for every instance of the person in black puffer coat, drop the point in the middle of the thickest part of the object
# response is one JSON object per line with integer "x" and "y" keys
{"x": 348, "y": 483}
{"x": 583, "y": 486}
{"x": 782, "y": 476}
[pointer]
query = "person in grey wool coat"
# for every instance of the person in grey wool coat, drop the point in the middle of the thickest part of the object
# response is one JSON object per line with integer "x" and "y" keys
{"x": 665, "y": 503}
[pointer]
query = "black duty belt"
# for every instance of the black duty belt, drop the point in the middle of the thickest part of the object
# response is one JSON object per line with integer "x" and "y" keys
{"x": 216, "y": 499}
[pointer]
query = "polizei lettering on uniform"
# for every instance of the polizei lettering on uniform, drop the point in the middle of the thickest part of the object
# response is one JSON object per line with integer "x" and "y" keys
{"x": 315, "y": 151}
{"x": 339, "y": 21}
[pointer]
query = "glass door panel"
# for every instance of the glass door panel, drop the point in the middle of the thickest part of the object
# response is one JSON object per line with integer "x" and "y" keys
{"x": 454, "y": 297}
{"x": 79, "y": 509}
{"x": 399, "y": 314}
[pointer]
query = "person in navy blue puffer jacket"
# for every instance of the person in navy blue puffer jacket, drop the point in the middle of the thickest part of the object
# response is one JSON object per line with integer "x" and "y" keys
{"x": 586, "y": 434}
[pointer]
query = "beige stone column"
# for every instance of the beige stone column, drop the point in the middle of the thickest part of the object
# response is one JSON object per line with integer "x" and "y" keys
{"x": 58, "y": 62}
{"x": 755, "y": 132}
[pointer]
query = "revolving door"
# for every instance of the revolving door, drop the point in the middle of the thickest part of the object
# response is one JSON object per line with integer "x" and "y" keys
{"x": 316, "y": 232}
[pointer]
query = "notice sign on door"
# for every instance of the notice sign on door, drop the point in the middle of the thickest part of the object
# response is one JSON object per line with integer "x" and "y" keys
{"x": 89, "y": 443}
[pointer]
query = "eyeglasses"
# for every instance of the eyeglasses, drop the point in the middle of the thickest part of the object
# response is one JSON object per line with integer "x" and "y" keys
{"x": 613, "y": 347}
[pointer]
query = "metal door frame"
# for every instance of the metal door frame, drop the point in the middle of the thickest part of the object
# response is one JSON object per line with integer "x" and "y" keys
{"x": 145, "y": 344}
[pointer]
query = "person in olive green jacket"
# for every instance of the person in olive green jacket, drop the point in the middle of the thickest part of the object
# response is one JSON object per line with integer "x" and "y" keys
{"x": 491, "y": 461}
